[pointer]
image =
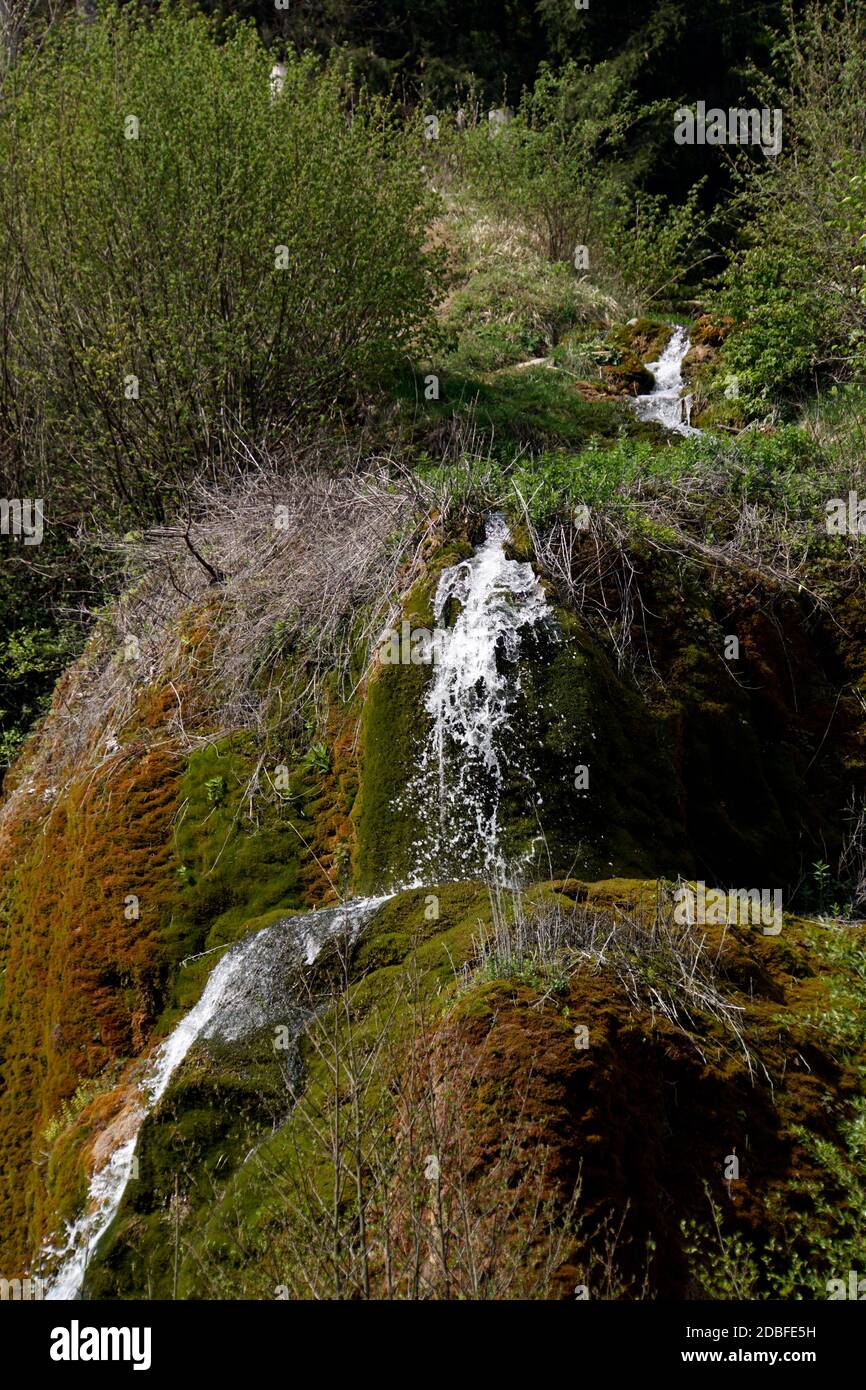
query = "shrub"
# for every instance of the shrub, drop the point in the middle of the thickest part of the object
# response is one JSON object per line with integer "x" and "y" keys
{"x": 31, "y": 658}
{"x": 653, "y": 248}
{"x": 146, "y": 310}
{"x": 566, "y": 165}
{"x": 784, "y": 323}
{"x": 547, "y": 163}
{"x": 797, "y": 288}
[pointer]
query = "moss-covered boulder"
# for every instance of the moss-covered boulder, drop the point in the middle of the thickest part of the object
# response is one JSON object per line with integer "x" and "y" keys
{"x": 585, "y": 1111}
{"x": 631, "y": 346}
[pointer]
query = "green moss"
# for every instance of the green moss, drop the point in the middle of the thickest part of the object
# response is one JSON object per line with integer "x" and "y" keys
{"x": 627, "y": 819}
{"x": 88, "y": 886}
{"x": 227, "y": 1141}
{"x": 218, "y": 1104}
{"x": 223, "y": 1127}
{"x": 234, "y": 874}
{"x": 66, "y": 1175}
{"x": 644, "y": 338}
{"x": 391, "y": 732}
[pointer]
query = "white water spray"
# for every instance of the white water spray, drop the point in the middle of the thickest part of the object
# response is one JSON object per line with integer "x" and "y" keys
{"x": 666, "y": 403}
{"x": 247, "y": 990}
{"x": 471, "y": 702}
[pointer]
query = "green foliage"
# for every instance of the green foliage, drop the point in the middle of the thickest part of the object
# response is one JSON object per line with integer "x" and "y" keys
{"x": 784, "y": 322}
{"x": 823, "y": 1224}
{"x": 157, "y": 257}
{"x": 818, "y": 1215}
{"x": 537, "y": 407}
{"x": 72, "y": 1107}
{"x": 559, "y": 482}
{"x": 796, "y": 290}
{"x": 318, "y": 759}
{"x": 652, "y": 251}
{"x": 851, "y": 170}
{"x": 31, "y": 658}
{"x": 567, "y": 163}
{"x": 553, "y": 161}
{"x": 839, "y": 1020}
{"x": 727, "y": 1265}
{"x": 216, "y": 788}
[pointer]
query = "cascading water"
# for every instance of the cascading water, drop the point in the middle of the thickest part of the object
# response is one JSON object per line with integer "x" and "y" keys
{"x": 247, "y": 990}
{"x": 666, "y": 403}
{"x": 471, "y": 702}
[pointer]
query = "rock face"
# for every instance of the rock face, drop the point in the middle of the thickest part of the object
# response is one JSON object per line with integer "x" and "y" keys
{"x": 632, "y": 346}
{"x": 708, "y": 335}
{"x": 151, "y": 854}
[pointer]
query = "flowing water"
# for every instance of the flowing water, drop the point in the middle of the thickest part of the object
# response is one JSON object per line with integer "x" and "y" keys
{"x": 667, "y": 403}
{"x": 485, "y": 607}
{"x": 250, "y": 988}
{"x": 471, "y": 701}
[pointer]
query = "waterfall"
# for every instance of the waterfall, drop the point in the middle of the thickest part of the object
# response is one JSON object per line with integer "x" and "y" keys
{"x": 249, "y": 989}
{"x": 484, "y": 608}
{"x": 666, "y": 403}
{"x": 471, "y": 703}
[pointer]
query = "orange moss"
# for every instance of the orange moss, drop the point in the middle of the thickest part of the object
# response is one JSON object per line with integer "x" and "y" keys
{"x": 83, "y": 958}
{"x": 645, "y": 1115}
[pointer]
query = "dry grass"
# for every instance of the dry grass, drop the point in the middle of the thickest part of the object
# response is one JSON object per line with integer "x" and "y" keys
{"x": 232, "y": 617}
{"x": 665, "y": 968}
{"x": 594, "y": 568}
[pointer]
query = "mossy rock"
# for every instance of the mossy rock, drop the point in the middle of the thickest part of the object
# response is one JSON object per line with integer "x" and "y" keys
{"x": 629, "y": 822}
{"x": 632, "y": 345}
{"x": 628, "y": 376}
{"x": 392, "y": 728}
{"x": 233, "y": 874}
{"x": 699, "y": 358}
{"x": 219, "y": 1131}
{"x": 642, "y": 1117}
{"x": 711, "y": 330}
{"x": 218, "y": 1104}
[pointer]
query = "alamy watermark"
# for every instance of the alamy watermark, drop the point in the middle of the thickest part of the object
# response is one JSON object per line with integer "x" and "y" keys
{"x": 745, "y": 907}
{"x": 853, "y": 1288}
{"x": 29, "y": 1290}
{"x": 736, "y": 126}
{"x": 411, "y": 646}
{"x": 846, "y": 516}
{"x": 77, "y": 1343}
{"x": 22, "y": 517}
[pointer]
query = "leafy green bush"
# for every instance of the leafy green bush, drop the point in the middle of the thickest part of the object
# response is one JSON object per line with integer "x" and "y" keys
{"x": 31, "y": 659}
{"x": 653, "y": 248}
{"x": 147, "y": 308}
{"x": 796, "y": 290}
{"x": 783, "y": 323}
{"x": 566, "y": 166}
{"x": 552, "y": 165}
